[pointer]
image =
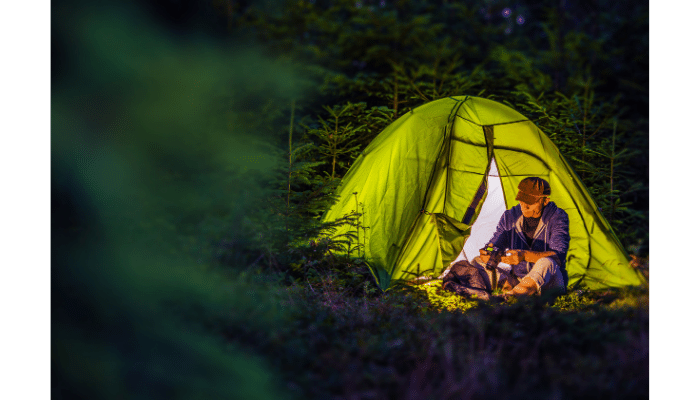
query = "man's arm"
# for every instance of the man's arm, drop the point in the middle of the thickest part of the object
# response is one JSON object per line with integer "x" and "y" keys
{"x": 516, "y": 256}
{"x": 558, "y": 243}
{"x": 559, "y": 237}
{"x": 500, "y": 237}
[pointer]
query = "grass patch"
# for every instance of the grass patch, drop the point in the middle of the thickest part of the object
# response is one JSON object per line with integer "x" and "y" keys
{"x": 444, "y": 300}
{"x": 419, "y": 342}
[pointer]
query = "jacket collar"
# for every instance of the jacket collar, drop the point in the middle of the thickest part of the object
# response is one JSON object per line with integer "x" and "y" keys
{"x": 547, "y": 213}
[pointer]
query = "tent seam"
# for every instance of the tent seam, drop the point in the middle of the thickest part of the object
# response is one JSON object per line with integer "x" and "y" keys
{"x": 498, "y": 124}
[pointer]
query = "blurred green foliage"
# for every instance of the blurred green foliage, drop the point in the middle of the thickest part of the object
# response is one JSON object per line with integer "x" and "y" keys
{"x": 155, "y": 161}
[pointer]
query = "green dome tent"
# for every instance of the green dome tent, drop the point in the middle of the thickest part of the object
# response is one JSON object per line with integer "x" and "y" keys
{"x": 424, "y": 183}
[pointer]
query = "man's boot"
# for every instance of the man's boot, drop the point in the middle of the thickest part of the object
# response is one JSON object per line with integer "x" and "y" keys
{"x": 526, "y": 287}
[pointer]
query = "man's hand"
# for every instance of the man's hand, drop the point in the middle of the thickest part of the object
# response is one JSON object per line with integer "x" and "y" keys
{"x": 515, "y": 257}
{"x": 484, "y": 255}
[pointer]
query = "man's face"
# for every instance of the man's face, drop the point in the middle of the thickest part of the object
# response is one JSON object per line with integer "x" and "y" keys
{"x": 532, "y": 210}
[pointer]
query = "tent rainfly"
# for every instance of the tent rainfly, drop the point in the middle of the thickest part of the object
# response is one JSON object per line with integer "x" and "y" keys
{"x": 433, "y": 185}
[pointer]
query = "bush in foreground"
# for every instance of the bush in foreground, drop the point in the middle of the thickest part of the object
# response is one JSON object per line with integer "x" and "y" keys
{"x": 418, "y": 343}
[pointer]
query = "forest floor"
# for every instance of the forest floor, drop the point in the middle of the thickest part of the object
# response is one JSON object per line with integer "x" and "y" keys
{"x": 343, "y": 339}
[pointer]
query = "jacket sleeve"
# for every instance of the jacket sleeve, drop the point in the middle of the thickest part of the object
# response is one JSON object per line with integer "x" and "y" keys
{"x": 500, "y": 237}
{"x": 559, "y": 235}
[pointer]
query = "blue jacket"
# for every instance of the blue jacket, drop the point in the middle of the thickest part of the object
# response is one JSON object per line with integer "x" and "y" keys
{"x": 552, "y": 234}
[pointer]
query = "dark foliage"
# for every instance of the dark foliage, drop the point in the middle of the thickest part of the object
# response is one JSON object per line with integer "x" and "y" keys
{"x": 565, "y": 67}
{"x": 192, "y": 162}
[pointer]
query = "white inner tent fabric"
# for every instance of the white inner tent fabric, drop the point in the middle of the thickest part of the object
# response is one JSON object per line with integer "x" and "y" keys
{"x": 485, "y": 225}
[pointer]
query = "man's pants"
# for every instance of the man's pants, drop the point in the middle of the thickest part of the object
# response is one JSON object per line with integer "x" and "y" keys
{"x": 473, "y": 278}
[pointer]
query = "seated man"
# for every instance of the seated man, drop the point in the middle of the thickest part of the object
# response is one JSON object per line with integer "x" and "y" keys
{"x": 536, "y": 232}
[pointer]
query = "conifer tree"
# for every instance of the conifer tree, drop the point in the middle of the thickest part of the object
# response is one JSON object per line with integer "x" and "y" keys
{"x": 560, "y": 66}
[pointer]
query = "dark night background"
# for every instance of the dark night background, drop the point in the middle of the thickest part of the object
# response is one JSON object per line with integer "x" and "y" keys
{"x": 170, "y": 123}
